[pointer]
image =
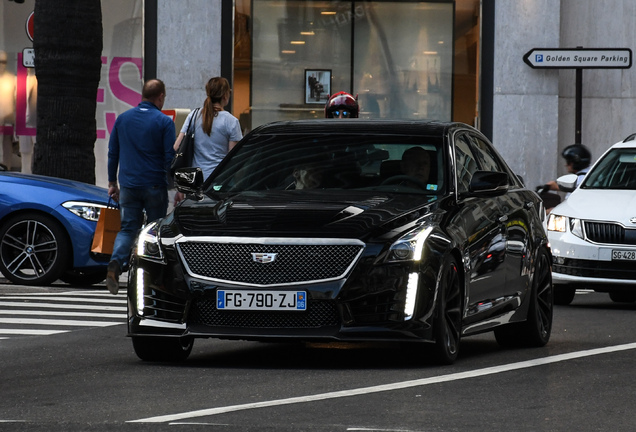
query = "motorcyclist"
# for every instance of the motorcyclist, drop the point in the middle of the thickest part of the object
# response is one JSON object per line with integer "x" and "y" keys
{"x": 342, "y": 105}
{"x": 577, "y": 161}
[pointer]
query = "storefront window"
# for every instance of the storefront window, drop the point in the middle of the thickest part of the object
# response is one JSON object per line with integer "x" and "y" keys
{"x": 119, "y": 87}
{"x": 404, "y": 59}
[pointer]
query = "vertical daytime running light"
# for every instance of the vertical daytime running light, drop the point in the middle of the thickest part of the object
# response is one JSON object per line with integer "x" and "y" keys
{"x": 140, "y": 292}
{"x": 411, "y": 295}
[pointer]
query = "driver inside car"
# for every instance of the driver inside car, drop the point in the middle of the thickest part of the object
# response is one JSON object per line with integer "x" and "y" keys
{"x": 416, "y": 163}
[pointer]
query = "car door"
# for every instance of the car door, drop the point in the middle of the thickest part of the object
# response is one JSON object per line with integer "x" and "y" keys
{"x": 482, "y": 225}
{"x": 514, "y": 214}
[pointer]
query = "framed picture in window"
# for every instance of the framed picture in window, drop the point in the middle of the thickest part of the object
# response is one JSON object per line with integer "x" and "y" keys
{"x": 317, "y": 85}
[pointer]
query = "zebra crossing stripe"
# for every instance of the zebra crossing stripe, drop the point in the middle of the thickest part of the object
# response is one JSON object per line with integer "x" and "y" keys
{"x": 62, "y": 313}
{"x": 36, "y": 321}
{"x": 30, "y": 332}
{"x": 64, "y": 306}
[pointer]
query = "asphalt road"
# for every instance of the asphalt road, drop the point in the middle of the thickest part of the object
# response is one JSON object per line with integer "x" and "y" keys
{"x": 78, "y": 372}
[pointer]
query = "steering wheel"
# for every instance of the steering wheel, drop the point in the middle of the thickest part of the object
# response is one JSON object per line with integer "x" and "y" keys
{"x": 404, "y": 179}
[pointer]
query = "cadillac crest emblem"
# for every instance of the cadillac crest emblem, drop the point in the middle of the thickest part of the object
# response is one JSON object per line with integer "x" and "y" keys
{"x": 264, "y": 258}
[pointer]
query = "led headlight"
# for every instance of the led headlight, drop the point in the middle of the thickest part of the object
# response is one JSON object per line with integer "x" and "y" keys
{"x": 148, "y": 242}
{"x": 85, "y": 210}
{"x": 410, "y": 246}
{"x": 561, "y": 223}
{"x": 557, "y": 223}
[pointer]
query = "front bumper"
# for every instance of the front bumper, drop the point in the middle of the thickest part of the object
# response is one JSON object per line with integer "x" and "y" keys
{"x": 366, "y": 306}
{"x": 579, "y": 262}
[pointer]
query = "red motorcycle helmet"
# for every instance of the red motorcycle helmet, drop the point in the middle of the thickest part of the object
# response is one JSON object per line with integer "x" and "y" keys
{"x": 342, "y": 105}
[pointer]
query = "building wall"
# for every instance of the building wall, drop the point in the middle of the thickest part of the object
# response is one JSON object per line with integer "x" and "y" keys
{"x": 533, "y": 109}
{"x": 188, "y": 49}
{"x": 609, "y": 95}
{"x": 526, "y": 100}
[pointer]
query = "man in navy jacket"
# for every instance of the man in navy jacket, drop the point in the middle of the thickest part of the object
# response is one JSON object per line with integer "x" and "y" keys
{"x": 141, "y": 146}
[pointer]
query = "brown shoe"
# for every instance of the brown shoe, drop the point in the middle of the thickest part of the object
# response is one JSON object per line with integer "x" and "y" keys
{"x": 112, "y": 277}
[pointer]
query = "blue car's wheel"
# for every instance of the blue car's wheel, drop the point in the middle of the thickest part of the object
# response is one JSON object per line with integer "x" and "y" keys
{"x": 34, "y": 249}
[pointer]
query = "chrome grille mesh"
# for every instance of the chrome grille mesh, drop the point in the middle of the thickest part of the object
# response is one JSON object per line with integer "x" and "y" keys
{"x": 294, "y": 263}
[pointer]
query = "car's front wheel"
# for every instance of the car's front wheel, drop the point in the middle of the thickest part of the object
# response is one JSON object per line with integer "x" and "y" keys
{"x": 448, "y": 322}
{"x": 157, "y": 349}
{"x": 536, "y": 330}
{"x": 34, "y": 249}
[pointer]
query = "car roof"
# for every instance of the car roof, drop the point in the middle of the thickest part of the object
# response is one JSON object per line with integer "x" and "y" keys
{"x": 629, "y": 142}
{"x": 358, "y": 126}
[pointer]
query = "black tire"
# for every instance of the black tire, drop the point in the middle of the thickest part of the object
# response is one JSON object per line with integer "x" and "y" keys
{"x": 162, "y": 349}
{"x": 622, "y": 296}
{"x": 448, "y": 321}
{"x": 83, "y": 278}
{"x": 563, "y": 294}
{"x": 34, "y": 249}
{"x": 536, "y": 330}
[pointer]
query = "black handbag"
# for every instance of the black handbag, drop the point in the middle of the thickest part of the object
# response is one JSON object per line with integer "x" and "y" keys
{"x": 185, "y": 153}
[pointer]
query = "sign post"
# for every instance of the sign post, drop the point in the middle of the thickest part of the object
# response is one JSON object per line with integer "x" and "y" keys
{"x": 579, "y": 58}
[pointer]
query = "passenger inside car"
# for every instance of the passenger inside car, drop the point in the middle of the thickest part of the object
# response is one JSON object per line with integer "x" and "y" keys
{"x": 308, "y": 175}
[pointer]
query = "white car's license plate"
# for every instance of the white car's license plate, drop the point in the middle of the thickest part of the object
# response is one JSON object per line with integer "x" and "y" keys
{"x": 623, "y": 255}
{"x": 261, "y": 300}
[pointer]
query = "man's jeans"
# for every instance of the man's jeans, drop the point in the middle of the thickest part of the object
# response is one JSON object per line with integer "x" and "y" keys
{"x": 132, "y": 203}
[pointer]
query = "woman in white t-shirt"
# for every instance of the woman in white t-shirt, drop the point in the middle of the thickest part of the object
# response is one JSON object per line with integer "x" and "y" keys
{"x": 216, "y": 130}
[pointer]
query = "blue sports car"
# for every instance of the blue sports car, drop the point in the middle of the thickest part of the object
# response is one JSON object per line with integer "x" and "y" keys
{"x": 46, "y": 230}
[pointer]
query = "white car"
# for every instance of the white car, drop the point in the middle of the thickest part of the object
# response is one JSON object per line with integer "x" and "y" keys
{"x": 592, "y": 233}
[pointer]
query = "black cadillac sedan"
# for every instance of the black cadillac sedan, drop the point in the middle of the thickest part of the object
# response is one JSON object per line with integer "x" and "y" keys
{"x": 346, "y": 230}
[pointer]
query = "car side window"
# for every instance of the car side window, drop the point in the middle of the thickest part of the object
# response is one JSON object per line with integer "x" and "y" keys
{"x": 465, "y": 163}
{"x": 487, "y": 159}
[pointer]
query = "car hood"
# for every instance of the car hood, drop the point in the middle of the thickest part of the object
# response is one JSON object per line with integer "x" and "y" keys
{"x": 600, "y": 205}
{"x": 75, "y": 189}
{"x": 314, "y": 214}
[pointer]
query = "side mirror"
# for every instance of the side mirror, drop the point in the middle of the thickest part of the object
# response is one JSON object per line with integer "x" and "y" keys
{"x": 567, "y": 183}
{"x": 488, "y": 183}
{"x": 189, "y": 180}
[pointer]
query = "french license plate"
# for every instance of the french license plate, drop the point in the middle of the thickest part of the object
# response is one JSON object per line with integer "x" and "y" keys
{"x": 623, "y": 255}
{"x": 261, "y": 300}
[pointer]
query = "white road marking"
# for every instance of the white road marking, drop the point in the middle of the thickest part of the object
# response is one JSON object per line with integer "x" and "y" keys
{"x": 62, "y": 299}
{"x": 31, "y": 332}
{"x": 67, "y": 314}
{"x": 35, "y": 321}
{"x": 74, "y": 294}
{"x": 63, "y": 306}
{"x": 387, "y": 387}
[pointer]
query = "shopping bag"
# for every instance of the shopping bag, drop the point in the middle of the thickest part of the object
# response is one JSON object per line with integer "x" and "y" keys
{"x": 108, "y": 225}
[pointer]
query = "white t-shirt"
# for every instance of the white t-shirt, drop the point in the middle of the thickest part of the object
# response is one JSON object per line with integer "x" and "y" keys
{"x": 210, "y": 150}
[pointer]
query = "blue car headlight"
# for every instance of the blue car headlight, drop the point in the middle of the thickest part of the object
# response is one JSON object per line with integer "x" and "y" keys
{"x": 85, "y": 210}
{"x": 148, "y": 243}
{"x": 409, "y": 247}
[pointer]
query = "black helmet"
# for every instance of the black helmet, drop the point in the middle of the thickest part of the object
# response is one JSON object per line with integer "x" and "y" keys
{"x": 578, "y": 155}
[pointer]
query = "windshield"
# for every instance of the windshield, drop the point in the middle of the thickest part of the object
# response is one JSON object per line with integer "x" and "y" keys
{"x": 617, "y": 170}
{"x": 347, "y": 162}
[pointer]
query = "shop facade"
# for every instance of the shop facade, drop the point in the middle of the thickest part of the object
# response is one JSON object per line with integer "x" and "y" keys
{"x": 446, "y": 60}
